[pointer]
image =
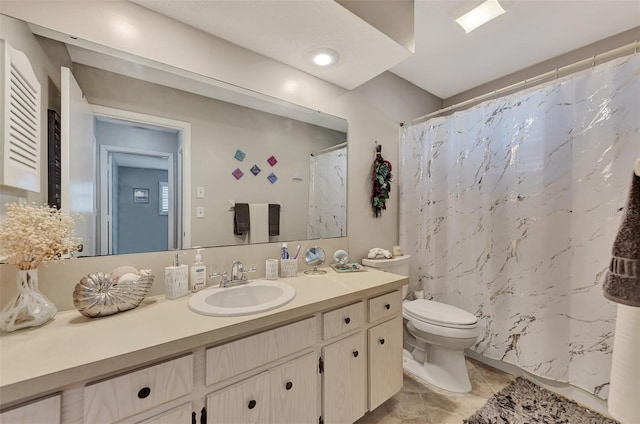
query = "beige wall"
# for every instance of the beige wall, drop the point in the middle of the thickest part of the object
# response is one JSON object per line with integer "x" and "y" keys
{"x": 574, "y": 56}
{"x": 161, "y": 39}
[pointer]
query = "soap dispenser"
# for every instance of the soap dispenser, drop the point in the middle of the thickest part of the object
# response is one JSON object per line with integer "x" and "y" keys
{"x": 198, "y": 277}
{"x": 176, "y": 280}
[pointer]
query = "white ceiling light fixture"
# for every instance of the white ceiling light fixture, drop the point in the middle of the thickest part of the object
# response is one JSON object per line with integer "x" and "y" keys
{"x": 480, "y": 15}
{"x": 324, "y": 57}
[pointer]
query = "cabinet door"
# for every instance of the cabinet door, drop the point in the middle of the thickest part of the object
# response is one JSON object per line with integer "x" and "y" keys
{"x": 294, "y": 391}
{"x": 344, "y": 380}
{"x": 243, "y": 403}
{"x": 385, "y": 361}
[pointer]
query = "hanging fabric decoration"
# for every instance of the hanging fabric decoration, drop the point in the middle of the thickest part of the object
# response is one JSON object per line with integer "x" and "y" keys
{"x": 381, "y": 183}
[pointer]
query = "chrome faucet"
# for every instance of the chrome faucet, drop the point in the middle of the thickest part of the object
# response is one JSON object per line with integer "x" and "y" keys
{"x": 237, "y": 271}
{"x": 238, "y": 275}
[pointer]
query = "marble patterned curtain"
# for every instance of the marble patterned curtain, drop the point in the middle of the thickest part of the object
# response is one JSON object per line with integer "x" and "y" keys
{"x": 510, "y": 210}
{"x": 328, "y": 195}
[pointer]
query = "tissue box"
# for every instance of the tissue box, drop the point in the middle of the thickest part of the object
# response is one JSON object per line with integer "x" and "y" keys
{"x": 288, "y": 267}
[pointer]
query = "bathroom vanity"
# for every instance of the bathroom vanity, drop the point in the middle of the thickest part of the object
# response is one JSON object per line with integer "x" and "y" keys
{"x": 331, "y": 354}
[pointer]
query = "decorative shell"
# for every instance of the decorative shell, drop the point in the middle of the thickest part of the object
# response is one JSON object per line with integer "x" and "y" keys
{"x": 100, "y": 294}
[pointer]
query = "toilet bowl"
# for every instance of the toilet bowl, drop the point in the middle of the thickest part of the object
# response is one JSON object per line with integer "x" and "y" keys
{"x": 435, "y": 335}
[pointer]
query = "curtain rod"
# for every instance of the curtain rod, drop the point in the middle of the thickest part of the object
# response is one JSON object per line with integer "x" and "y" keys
{"x": 330, "y": 149}
{"x": 614, "y": 52}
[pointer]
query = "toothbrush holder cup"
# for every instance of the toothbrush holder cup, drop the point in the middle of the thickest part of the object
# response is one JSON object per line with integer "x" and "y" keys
{"x": 288, "y": 267}
{"x": 271, "y": 266}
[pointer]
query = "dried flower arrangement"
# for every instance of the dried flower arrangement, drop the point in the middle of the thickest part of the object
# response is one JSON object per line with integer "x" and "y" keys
{"x": 32, "y": 234}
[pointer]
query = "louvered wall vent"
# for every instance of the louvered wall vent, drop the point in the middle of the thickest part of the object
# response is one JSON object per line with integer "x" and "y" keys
{"x": 20, "y": 121}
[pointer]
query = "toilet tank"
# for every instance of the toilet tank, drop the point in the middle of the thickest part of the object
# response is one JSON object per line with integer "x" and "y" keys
{"x": 398, "y": 264}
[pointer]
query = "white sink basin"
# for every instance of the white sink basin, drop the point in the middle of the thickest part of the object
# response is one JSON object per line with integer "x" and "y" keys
{"x": 253, "y": 297}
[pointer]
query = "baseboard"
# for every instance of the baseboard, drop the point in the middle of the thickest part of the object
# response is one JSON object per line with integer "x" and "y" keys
{"x": 565, "y": 389}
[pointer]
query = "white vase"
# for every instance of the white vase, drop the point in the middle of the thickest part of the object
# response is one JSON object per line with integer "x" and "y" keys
{"x": 28, "y": 308}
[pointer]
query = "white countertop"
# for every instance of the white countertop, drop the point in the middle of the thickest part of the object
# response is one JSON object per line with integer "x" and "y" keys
{"x": 72, "y": 348}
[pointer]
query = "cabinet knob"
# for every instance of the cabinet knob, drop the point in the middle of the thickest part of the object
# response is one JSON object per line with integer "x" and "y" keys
{"x": 387, "y": 306}
{"x": 347, "y": 320}
{"x": 252, "y": 404}
{"x": 355, "y": 353}
{"x": 381, "y": 341}
{"x": 144, "y": 392}
{"x": 289, "y": 385}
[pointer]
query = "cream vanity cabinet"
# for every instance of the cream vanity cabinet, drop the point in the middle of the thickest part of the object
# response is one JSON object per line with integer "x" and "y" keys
{"x": 385, "y": 348}
{"x": 362, "y": 370}
{"x": 329, "y": 365}
{"x": 285, "y": 395}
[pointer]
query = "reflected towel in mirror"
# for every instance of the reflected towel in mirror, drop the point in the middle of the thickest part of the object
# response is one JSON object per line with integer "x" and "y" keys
{"x": 259, "y": 217}
{"x": 241, "y": 219}
{"x": 274, "y": 219}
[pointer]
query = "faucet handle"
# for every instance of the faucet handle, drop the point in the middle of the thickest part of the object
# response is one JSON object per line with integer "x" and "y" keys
{"x": 244, "y": 272}
{"x": 223, "y": 274}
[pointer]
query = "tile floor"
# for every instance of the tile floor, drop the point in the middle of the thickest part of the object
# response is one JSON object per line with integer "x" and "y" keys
{"x": 421, "y": 403}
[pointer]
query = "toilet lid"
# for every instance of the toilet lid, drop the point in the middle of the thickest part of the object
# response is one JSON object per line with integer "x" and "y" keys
{"x": 430, "y": 311}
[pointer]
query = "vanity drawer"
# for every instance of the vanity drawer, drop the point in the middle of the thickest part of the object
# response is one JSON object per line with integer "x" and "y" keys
{"x": 385, "y": 306}
{"x": 119, "y": 397}
{"x": 243, "y": 355}
{"x": 342, "y": 320}
{"x": 41, "y": 411}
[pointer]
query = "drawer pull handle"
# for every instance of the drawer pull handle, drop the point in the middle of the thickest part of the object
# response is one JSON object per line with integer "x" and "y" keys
{"x": 252, "y": 404}
{"x": 355, "y": 353}
{"x": 144, "y": 392}
{"x": 381, "y": 341}
{"x": 289, "y": 385}
{"x": 347, "y": 320}
{"x": 387, "y": 306}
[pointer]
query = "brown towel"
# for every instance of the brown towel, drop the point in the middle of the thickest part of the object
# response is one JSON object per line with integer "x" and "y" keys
{"x": 274, "y": 220}
{"x": 623, "y": 280}
{"x": 241, "y": 223}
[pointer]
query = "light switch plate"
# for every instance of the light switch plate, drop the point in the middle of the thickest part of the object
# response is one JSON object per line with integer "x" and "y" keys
{"x": 200, "y": 192}
{"x": 200, "y": 212}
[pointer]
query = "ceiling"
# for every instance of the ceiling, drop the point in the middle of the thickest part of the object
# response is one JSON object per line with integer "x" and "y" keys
{"x": 446, "y": 62}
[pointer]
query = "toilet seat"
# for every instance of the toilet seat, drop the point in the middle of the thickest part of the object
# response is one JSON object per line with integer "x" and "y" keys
{"x": 438, "y": 314}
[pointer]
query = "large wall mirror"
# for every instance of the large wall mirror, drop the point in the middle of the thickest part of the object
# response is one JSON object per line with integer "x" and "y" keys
{"x": 159, "y": 158}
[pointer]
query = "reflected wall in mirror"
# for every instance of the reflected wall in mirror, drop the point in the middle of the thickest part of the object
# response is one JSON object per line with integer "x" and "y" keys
{"x": 175, "y": 134}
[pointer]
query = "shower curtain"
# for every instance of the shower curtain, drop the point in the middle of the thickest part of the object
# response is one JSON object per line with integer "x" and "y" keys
{"x": 328, "y": 194}
{"x": 510, "y": 209}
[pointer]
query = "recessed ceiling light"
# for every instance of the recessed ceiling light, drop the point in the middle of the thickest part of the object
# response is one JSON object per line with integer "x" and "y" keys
{"x": 324, "y": 57}
{"x": 480, "y": 15}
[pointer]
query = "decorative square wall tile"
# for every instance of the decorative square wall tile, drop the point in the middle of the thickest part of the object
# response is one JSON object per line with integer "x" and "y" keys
{"x": 238, "y": 173}
{"x": 272, "y": 160}
{"x": 240, "y": 155}
{"x": 255, "y": 170}
{"x": 272, "y": 177}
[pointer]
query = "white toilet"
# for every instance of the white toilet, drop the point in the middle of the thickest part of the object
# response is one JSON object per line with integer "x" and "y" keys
{"x": 435, "y": 335}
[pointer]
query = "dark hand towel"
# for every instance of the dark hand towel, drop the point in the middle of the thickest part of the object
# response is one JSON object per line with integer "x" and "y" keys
{"x": 241, "y": 219}
{"x": 623, "y": 280}
{"x": 274, "y": 220}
